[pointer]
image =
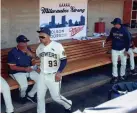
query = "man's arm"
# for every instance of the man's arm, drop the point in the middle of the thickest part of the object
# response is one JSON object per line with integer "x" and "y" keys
{"x": 58, "y": 76}
{"x": 63, "y": 59}
{"x": 62, "y": 65}
{"x": 63, "y": 62}
{"x": 17, "y": 68}
{"x": 127, "y": 39}
{"x": 12, "y": 64}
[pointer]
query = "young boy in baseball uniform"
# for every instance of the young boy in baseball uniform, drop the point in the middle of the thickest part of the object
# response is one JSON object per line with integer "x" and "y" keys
{"x": 52, "y": 62}
{"x": 5, "y": 90}
{"x": 121, "y": 39}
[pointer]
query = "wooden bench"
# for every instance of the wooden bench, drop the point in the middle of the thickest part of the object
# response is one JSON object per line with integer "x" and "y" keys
{"x": 81, "y": 55}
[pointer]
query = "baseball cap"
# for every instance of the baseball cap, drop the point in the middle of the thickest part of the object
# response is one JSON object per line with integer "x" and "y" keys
{"x": 116, "y": 21}
{"x": 21, "y": 38}
{"x": 44, "y": 30}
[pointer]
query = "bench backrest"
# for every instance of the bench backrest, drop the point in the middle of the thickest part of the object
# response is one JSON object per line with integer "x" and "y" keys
{"x": 75, "y": 50}
{"x": 85, "y": 49}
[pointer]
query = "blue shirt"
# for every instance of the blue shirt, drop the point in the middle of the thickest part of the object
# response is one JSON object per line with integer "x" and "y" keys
{"x": 19, "y": 58}
{"x": 121, "y": 38}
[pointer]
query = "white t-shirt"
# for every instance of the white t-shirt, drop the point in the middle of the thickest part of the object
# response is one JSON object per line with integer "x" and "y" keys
{"x": 50, "y": 56}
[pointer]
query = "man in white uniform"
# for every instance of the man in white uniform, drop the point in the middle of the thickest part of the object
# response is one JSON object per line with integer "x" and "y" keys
{"x": 5, "y": 90}
{"x": 52, "y": 62}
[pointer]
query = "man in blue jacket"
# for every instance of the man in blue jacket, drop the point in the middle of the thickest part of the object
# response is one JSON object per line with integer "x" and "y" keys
{"x": 121, "y": 39}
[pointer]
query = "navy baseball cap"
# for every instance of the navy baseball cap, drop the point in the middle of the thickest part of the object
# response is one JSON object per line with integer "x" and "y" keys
{"x": 116, "y": 21}
{"x": 21, "y": 38}
{"x": 44, "y": 30}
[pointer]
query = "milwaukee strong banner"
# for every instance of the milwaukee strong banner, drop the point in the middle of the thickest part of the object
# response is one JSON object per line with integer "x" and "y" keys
{"x": 65, "y": 19}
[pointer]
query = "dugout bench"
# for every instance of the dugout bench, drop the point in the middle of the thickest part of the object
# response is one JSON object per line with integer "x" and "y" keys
{"x": 81, "y": 55}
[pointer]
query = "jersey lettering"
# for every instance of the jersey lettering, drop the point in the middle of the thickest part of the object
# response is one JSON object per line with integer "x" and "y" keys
{"x": 48, "y": 54}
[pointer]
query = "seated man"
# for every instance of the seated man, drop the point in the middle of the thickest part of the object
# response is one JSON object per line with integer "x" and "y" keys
{"x": 134, "y": 48}
{"x": 5, "y": 90}
{"x": 19, "y": 61}
{"x": 131, "y": 52}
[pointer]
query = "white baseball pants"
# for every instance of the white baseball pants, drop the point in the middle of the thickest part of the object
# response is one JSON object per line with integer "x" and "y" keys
{"x": 132, "y": 61}
{"x": 45, "y": 82}
{"x": 5, "y": 89}
{"x": 21, "y": 78}
{"x": 123, "y": 58}
{"x": 135, "y": 50}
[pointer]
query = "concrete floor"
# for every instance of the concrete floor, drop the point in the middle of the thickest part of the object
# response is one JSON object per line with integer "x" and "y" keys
{"x": 86, "y": 89}
{"x": 71, "y": 85}
{"x": 89, "y": 98}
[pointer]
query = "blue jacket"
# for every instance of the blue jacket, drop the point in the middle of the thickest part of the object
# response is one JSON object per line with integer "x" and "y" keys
{"x": 121, "y": 38}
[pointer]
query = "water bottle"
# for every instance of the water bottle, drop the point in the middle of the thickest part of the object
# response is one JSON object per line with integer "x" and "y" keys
{"x": 35, "y": 67}
{"x": 103, "y": 44}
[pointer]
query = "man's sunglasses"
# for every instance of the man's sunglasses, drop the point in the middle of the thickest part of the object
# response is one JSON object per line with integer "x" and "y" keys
{"x": 41, "y": 37}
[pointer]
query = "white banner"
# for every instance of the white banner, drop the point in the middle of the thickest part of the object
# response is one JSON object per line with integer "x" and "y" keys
{"x": 65, "y": 19}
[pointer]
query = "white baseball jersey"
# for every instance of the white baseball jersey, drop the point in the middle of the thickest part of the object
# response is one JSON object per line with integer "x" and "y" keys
{"x": 50, "y": 56}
